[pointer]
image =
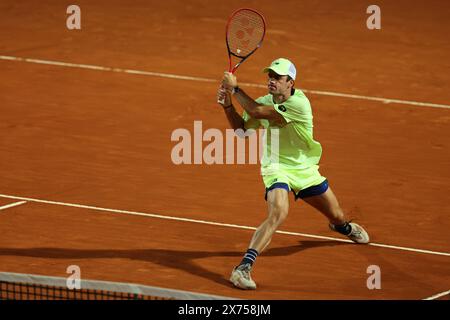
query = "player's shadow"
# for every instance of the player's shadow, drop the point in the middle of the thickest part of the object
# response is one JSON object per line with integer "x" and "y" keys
{"x": 175, "y": 259}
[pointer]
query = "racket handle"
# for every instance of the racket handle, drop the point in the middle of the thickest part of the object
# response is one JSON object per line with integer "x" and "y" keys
{"x": 221, "y": 101}
{"x": 231, "y": 70}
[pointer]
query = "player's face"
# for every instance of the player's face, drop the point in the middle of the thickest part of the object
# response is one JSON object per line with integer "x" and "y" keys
{"x": 278, "y": 84}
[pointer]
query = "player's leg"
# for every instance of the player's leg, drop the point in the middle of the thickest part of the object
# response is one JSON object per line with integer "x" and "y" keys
{"x": 278, "y": 206}
{"x": 327, "y": 204}
{"x": 322, "y": 198}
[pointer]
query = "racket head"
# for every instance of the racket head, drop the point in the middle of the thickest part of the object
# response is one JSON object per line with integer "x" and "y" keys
{"x": 245, "y": 33}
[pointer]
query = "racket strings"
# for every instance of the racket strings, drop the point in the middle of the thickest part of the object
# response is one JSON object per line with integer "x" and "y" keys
{"x": 245, "y": 32}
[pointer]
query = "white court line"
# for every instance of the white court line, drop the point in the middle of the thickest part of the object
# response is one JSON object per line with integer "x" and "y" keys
{"x": 143, "y": 214}
{"x": 181, "y": 77}
{"x": 437, "y": 296}
{"x": 11, "y": 205}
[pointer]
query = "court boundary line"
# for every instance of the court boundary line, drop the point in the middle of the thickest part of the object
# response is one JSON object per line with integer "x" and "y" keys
{"x": 202, "y": 79}
{"x": 152, "y": 215}
{"x": 438, "y": 295}
{"x": 12, "y": 205}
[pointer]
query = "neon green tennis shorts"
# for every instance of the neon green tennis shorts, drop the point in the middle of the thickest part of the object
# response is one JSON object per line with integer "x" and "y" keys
{"x": 296, "y": 179}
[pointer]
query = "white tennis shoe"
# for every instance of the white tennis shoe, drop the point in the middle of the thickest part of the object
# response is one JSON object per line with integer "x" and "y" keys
{"x": 240, "y": 277}
{"x": 358, "y": 234}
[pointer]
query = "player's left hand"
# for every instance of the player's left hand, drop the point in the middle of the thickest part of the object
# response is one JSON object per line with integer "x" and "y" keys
{"x": 229, "y": 80}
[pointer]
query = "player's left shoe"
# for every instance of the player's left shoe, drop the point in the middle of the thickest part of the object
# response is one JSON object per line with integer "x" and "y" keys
{"x": 241, "y": 278}
{"x": 358, "y": 234}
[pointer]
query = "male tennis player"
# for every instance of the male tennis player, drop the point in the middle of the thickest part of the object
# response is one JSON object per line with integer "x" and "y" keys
{"x": 287, "y": 110}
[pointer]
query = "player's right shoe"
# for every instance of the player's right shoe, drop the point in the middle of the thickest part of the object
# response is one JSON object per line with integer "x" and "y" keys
{"x": 240, "y": 277}
{"x": 358, "y": 234}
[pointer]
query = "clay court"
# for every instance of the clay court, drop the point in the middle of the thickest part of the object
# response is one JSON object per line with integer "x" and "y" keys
{"x": 85, "y": 152}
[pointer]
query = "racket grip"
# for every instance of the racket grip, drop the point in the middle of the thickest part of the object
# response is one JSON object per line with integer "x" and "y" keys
{"x": 231, "y": 70}
{"x": 221, "y": 101}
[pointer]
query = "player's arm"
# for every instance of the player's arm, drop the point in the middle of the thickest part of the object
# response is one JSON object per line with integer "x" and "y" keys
{"x": 234, "y": 118}
{"x": 254, "y": 109}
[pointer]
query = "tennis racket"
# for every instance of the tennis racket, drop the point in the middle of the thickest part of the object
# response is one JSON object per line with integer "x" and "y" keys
{"x": 244, "y": 34}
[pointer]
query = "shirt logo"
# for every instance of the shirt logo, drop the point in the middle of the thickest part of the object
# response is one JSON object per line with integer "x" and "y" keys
{"x": 282, "y": 108}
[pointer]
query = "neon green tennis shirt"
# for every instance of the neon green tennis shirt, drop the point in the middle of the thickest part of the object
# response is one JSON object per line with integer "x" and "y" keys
{"x": 296, "y": 147}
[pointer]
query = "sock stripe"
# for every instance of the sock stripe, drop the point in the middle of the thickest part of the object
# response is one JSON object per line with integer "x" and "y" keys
{"x": 252, "y": 258}
{"x": 249, "y": 256}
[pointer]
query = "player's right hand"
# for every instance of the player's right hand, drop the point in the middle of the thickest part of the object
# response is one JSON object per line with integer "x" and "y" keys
{"x": 223, "y": 96}
{"x": 229, "y": 80}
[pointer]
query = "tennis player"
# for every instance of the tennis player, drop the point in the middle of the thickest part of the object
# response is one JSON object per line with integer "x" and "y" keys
{"x": 295, "y": 168}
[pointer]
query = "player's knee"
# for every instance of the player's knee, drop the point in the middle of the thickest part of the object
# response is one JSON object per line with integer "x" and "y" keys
{"x": 278, "y": 207}
{"x": 277, "y": 215}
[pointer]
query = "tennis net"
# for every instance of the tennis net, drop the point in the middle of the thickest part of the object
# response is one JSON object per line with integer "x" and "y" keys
{"x": 16, "y": 286}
